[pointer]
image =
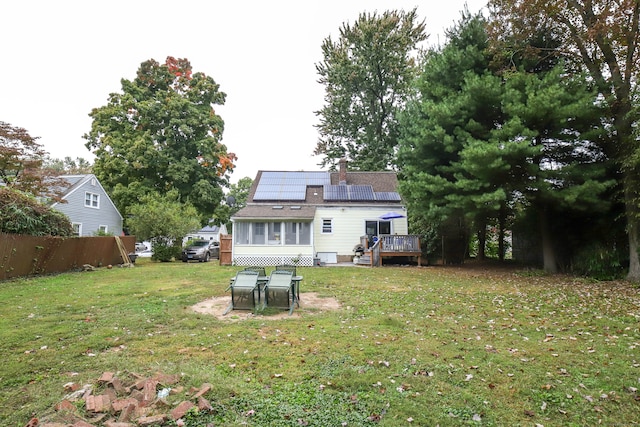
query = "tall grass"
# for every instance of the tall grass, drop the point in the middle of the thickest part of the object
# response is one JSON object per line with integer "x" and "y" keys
{"x": 421, "y": 346}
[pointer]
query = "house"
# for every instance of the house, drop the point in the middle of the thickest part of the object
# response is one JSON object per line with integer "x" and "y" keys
{"x": 209, "y": 232}
{"x": 310, "y": 217}
{"x": 88, "y": 206}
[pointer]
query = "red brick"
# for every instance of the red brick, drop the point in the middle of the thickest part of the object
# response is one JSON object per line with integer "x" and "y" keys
{"x": 106, "y": 377}
{"x": 204, "y": 389}
{"x": 149, "y": 421}
{"x": 203, "y": 404}
{"x": 119, "y": 404}
{"x": 100, "y": 403}
{"x": 117, "y": 424}
{"x": 180, "y": 410}
{"x": 127, "y": 412}
{"x": 166, "y": 379}
{"x": 149, "y": 391}
{"x": 65, "y": 405}
{"x": 117, "y": 385}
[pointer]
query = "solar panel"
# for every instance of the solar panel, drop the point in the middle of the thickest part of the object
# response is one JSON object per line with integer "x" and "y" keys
{"x": 388, "y": 196}
{"x": 360, "y": 192}
{"x": 281, "y": 185}
{"x": 336, "y": 192}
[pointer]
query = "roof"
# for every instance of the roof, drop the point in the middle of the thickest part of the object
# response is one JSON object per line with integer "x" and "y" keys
{"x": 296, "y": 195}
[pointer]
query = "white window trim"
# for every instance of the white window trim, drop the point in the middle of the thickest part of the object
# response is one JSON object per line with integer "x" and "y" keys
{"x": 330, "y": 220}
{"x": 103, "y": 228}
{"x": 79, "y": 224}
{"x": 88, "y": 197}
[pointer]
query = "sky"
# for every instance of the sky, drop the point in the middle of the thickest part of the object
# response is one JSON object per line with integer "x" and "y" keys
{"x": 63, "y": 58}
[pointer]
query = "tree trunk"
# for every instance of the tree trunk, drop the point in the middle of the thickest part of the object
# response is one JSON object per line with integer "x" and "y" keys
{"x": 633, "y": 227}
{"x": 502, "y": 224}
{"x": 482, "y": 242}
{"x": 548, "y": 252}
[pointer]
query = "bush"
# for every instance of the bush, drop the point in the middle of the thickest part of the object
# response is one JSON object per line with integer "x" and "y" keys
{"x": 600, "y": 262}
{"x": 23, "y": 214}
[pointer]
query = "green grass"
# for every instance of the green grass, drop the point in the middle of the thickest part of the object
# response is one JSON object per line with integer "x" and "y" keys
{"x": 435, "y": 345}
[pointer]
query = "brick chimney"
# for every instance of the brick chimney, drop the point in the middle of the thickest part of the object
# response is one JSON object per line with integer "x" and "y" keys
{"x": 342, "y": 176}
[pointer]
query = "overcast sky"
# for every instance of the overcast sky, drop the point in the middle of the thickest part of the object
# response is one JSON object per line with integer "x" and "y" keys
{"x": 63, "y": 58}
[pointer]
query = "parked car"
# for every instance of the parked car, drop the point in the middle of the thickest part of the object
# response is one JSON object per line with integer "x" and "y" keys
{"x": 141, "y": 247}
{"x": 201, "y": 250}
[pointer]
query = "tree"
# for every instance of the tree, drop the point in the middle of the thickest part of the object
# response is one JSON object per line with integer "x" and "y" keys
{"x": 21, "y": 213}
{"x": 367, "y": 75}
{"x": 165, "y": 221}
{"x": 69, "y": 166}
{"x": 603, "y": 38}
{"x": 21, "y": 164}
{"x": 478, "y": 143}
{"x": 162, "y": 133}
{"x": 236, "y": 199}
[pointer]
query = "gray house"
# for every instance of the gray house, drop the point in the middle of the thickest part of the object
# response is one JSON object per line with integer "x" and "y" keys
{"x": 88, "y": 206}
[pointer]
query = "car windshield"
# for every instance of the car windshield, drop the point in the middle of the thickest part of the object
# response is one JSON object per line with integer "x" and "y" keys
{"x": 200, "y": 244}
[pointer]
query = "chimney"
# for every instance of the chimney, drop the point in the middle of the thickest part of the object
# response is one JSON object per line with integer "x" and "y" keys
{"x": 342, "y": 177}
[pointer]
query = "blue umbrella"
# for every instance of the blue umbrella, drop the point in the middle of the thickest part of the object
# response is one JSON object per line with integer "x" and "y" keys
{"x": 391, "y": 215}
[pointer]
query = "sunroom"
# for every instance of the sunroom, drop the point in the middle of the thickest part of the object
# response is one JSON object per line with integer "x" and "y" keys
{"x": 273, "y": 235}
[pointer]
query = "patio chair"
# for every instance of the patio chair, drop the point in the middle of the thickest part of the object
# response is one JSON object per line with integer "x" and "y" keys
{"x": 260, "y": 270}
{"x": 279, "y": 291}
{"x": 243, "y": 291}
{"x": 286, "y": 267}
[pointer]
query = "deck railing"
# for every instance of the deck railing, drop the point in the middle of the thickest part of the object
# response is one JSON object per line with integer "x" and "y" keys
{"x": 388, "y": 245}
{"x": 400, "y": 243}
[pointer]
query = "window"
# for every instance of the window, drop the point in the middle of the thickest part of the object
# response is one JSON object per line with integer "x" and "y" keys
{"x": 102, "y": 229}
{"x": 272, "y": 233}
{"x": 327, "y": 226}
{"x": 258, "y": 234}
{"x": 297, "y": 233}
{"x": 77, "y": 228}
{"x": 91, "y": 200}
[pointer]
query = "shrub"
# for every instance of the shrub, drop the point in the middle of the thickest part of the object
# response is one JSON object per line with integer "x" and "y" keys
{"x": 23, "y": 214}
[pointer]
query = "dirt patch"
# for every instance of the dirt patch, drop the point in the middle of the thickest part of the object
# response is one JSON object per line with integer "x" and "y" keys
{"x": 310, "y": 303}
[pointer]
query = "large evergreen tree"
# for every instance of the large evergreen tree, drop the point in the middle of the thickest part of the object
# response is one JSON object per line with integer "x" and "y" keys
{"x": 478, "y": 143}
{"x": 162, "y": 133}
{"x": 603, "y": 38}
{"x": 367, "y": 75}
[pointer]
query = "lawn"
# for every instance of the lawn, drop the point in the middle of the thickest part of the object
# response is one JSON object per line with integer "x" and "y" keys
{"x": 469, "y": 345}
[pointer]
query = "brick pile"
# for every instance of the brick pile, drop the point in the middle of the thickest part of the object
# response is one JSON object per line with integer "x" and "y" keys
{"x": 132, "y": 401}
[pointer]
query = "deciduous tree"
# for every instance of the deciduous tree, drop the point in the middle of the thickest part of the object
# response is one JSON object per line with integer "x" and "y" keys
{"x": 164, "y": 220}
{"x": 21, "y": 164}
{"x": 162, "y": 133}
{"x": 367, "y": 75}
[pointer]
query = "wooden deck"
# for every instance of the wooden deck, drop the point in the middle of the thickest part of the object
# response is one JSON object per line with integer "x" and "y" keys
{"x": 390, "y": 246}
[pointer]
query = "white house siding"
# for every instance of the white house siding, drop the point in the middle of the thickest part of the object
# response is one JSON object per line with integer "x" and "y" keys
{"x": 91, "y": 218}
{"x": 349, "y": 227}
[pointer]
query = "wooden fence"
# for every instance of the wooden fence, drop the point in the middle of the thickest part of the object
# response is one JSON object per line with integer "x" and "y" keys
{"x": 32, "y": 255}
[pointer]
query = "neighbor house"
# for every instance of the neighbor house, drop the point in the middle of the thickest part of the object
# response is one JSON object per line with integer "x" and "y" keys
{"x": 209, "y": 232}
{"x": 309, "y": 217}
{"x": 88, "y": 206}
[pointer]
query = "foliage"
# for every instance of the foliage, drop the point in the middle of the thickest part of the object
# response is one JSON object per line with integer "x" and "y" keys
{"x": 21, "y": 213}
{"x": 603, "y": 39}
{"x": 599, "y": 262}
{"x": 477, "y": 143}
{"x": 235, "y": 200}
{"x": 367, "y": 75}
{"x": 161, "y": 133}
{"x": 163, "y": 220}
{"x": 477, "y": 345}
{"x": 21, "y": 164}
{"x": 69, "y": 166}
